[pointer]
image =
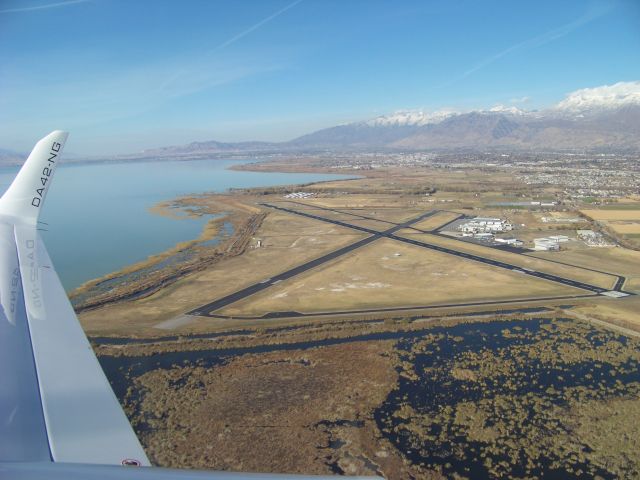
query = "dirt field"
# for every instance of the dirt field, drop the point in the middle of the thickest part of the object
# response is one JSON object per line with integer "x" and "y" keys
{"x": 625, "y": 228}
{"x": 387, "y": 274}
{"x": 623, "y": 220}
{"x": 611, "y": 215}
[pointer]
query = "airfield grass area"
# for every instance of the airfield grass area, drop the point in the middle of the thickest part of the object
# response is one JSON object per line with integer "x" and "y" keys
{"x": 594, "y": 278}
{"x": 623, "y": 314}
{"x": 382, "y": 207}
{"x": 372, "y": 224}
{"x": 389, "y": 273}
{"x": 286, "y": 242}
{"x": 622, "y": 261}
{"x": 436, "y": 221}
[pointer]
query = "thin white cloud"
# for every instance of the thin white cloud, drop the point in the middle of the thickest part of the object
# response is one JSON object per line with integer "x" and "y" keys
{"x": 246, "y": 32}
{"x": 538, "y": 41}
{"x": 168, "y": 82}
{"x": 103, "y": 96}
{"x": 524, "y": 99}
{"x": 46, "y": 6}
{"x": 607, "y": 96}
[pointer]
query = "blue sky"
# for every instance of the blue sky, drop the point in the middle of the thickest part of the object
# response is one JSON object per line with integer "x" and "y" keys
{"x": 127, "y": 75}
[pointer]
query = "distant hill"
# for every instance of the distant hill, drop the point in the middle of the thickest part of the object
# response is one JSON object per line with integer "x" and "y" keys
{"x": 211, "y": 146}
{"x": 602, "y": 119}
{"x": 606, "y": 129}
{"x": 616, "y": 128}
{"x": 10, "y": 158}
{"x": 597, "y": 119}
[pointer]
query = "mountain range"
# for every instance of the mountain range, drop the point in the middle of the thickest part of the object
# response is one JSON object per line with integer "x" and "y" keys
{"x": 609, "y": 129}
{"x": 604, "y": 118}
{"x": 601, "y": 119}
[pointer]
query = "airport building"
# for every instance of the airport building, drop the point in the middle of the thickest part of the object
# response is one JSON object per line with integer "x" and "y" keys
{"x": 558, "y": 238}
{"x": 545, "y": 244}
{"x": 485, "y": 225}
{"x": 300, "y": 195}
{"x": 514, "y": 242}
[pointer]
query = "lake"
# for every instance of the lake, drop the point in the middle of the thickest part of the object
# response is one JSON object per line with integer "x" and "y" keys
{"x": 97, "y": 215}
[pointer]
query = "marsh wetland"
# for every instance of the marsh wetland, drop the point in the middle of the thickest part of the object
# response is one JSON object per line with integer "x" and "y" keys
{"x": 516, "y": 399}
{"x": 537, "y": 397}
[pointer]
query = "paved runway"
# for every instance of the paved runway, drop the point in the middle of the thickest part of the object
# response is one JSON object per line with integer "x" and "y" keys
{"x": 343, "y": 212}
{"x": 294, "y": 314}
{"x": 208, "y": 309}
{"x": 468, "y": 256}
{"x": 205, "y": 310}
{"x": 507, "y": 266}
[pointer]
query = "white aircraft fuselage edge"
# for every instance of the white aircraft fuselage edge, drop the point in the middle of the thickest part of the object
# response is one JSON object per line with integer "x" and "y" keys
{"x": 59, "y": 417}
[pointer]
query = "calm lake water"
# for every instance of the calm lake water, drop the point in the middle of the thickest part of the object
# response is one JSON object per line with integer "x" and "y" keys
{"x": 98, "y": 217}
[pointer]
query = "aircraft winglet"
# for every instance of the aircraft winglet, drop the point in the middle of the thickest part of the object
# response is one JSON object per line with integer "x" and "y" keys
{"x": 24, "y": 199}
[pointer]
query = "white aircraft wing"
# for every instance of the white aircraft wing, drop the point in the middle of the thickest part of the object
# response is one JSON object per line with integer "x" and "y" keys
{"x": 59, "y": 417}
{"x": 82, "y": 419}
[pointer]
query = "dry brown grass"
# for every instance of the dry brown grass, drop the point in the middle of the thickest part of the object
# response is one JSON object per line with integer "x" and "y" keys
{"x": 436, "y": 221}
{"x": 392, "y": 274}
{"x": 625, "y": 228}
{"x": 616, "y": 260}
{"x": 265, "y": 412}
{"x": 622, "y": 312}
{"x": 609, "y": 215}
{"x": 603, "y": 280}
{"x": 287, "y": 240}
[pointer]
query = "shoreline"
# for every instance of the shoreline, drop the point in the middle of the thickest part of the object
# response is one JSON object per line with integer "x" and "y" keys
{"x": 189, "y": 256}
{"x": 142, "y": 279}
{"x": 162, "y": 209}
{"x": 244, "y": 218}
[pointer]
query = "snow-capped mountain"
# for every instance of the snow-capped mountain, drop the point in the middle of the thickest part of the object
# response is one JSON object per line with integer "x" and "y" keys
{"x": 606, "y": 117}
{"x": 410, "y": 117}
{"x": 508, "y": 110}
{"x": 419, "y": 118}
{"x": 603, "y": 118}
{"x": 606, "y": 97}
